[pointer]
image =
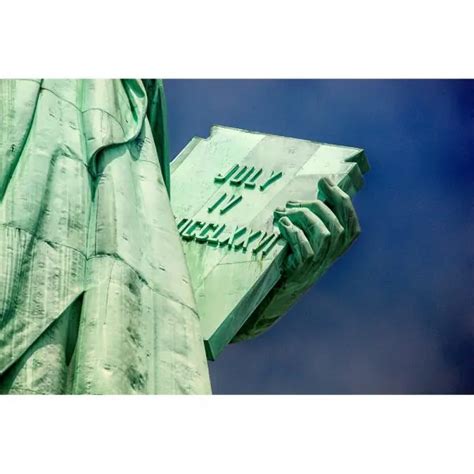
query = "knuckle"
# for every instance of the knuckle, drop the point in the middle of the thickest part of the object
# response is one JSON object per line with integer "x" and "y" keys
{"x": 325, "y": 238}
{"x": 307, "y": 213}
{"x": 318, "y": 207}
{"x": 325, "y": 233}
{"x": 309, "y": 253}
{"x": 345, "y": 197}
{"x": 338, "y": 230}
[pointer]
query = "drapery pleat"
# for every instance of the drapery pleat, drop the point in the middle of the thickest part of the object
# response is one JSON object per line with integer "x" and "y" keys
{"x": 85, "y": 210}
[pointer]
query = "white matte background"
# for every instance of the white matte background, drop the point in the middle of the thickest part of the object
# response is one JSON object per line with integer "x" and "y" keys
{"x": 244, "y": 39}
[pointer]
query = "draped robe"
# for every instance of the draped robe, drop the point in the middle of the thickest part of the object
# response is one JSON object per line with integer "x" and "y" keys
{"x": 95, "y": 295}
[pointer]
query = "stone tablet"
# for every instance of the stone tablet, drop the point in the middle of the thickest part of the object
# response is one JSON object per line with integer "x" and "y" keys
{"x": 225, "y": 190}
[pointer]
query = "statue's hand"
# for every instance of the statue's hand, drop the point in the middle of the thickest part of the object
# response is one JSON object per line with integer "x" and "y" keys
{"x": 317, "y": 232}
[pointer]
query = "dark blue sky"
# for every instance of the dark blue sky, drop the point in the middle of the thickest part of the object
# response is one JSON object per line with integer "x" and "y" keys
{"x": 396, "y": 313}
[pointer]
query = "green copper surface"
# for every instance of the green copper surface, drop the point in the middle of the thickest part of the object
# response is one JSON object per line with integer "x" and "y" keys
{"x": 87, "y": 233}
{"x": 103, "y": 288}
{"x": 227, "y": 187}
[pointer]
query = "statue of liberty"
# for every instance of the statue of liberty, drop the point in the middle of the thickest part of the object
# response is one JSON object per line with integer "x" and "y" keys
{"x": 95, "y": 295}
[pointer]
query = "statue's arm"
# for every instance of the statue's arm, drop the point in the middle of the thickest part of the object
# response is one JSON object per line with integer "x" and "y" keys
{"x": 318, "y": 232}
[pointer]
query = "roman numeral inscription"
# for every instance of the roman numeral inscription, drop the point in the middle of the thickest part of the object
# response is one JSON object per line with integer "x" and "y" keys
{"x": 225, "y": 203}
{"x": 228, "y": 186}
{"x": 244, "y": 177}
{"x": 237, "y": 238}
{"x": 248, "y": 176}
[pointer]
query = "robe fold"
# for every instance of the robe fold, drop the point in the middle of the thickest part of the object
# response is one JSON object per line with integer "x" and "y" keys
{"x": 85, "y": 222}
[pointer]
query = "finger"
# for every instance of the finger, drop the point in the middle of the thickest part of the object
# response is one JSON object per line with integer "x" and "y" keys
{"x": 328, "y": 218}
{"x": 299, "y": 245}
{"x": 319, "y": 208}
{"x": 295, "y": 259}
{"x": 314, "y": 229}
{"x": 298, "y": 239}
{"x": 342, "y": 206}
{"x": 291, "y": 264}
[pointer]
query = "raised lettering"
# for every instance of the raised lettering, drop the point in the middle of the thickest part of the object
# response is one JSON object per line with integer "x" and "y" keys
{"x": 234, "y": 200}
{"x": 273, "y": 177}
{"x": 190, "y": 232}
{"x": 203, "y": 235}
{"x": 223, "y": 178}
{"x": 250, "y": 181}
{"x": 249, "y": 238}
{"x": 217, "y": 202}
{"x": 214, "y": 239}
